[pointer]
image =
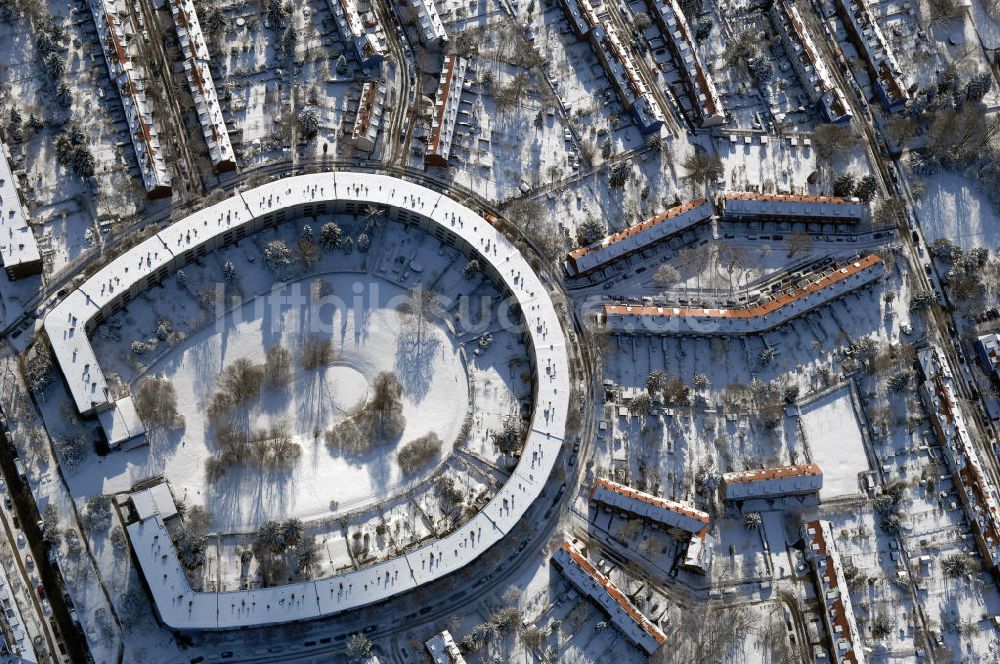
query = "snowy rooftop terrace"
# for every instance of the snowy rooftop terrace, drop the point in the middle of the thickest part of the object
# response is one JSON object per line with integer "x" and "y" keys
{"x": 145, "y": 264}
{"x": 988, "y": 346}
{"x": 674, "y": 26}
{"x": 17, "y": 242}
{"x": 979, "y": 497}
{"x": 444, "y": 650}
{"x": 581, "y": 16}
{"x": 640, "y": 236}
{"x": 660, "y": 510}
{"x": 647, "y": 319}
{"x": 589, "y": 581}
{"x": 202, "y": 85}
{"x": 772, "y": 482}
{"x": 145, "y": 138}
{"x": 791, "y": 206}
{"x": 838, "y": 612}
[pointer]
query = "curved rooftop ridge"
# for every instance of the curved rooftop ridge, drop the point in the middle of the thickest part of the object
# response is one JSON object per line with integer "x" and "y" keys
{"x": 143, "y": 266}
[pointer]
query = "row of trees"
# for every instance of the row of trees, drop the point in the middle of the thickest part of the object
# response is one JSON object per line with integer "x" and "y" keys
{"x": 281, "y": 546}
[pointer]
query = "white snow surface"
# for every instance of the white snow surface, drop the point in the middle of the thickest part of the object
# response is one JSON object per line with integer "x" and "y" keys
{"x": 435, "y": 399}
{"x": 834, "y": 438}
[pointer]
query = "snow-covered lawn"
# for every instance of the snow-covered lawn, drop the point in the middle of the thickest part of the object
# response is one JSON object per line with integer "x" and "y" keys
{"x": 954, "y": 207}
{"x": 833, "y": 435}
{"x": 435, "y": 399}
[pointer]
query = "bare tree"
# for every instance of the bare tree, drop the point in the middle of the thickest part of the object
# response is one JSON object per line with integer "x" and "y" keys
{"x": 798, "y": 242}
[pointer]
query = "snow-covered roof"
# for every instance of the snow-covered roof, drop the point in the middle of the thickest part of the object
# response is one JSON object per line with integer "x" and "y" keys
{"x": 154, "y": 501}
{"x": 444, "y": 650}
{"x": 181, "y": 607}
{"x": 989, "y": 349}
{"x": 145, "y": 137}
{"x": 621, "y": 70}
{"x": 666, "y": 512}
{"x": 636, "y": 238}
{"x": 22, "y": 649}
{"x": 368, "y": 48}
{"x": 589, "y": 581}
{"x": 17, "y": 242}
{"x": 445, "y": 114}
{"x": 808, "y": 64}
{"x": 887, "y": 77}
{"x": 369, "y": 115}
{"x": 431, "y": 28}
{"x": 121, "y": 424}
{"x": 651, "y": 319}
{"x": 838, "y": 613}
{"x": 750, "y": 204}
{"x": 979, "y": 496}
{"x": 201, "y": 84}
{"x": 772, "y": 482}
{"x": 581, "y": 16}
{"x": 114, "y": 285}
{"x": 618, "y": 64}
{"x": 701, "y": 89}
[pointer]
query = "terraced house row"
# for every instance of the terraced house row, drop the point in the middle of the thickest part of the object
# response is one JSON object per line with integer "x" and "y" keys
{"x": 762, "y": 317}
{"x": 142, "y": 129}
{"x": 18, "y": 247}
{"x": 202, "y": 85}
{"x": 659, "y": 511}
{"x": 617, "y": 62}
{"x": 978, "y": 495}
{"x": 791, "y": 207}
{"x": 886, "y": 77}
{"x": 431, "y": 28}
{"x": 801, "y": 479}
{"x": 811, "y": 69}
{"x": 590, "y": 582}
{"x": 832, "y": 592}
{"x": 741, "y": 207}
{"x": 369, "y": 117}
{"x": 444, "y": 116}
{"x": 640, "y": 237}
{"x": 697, "y": 80}
{"x": 370, "y": 51}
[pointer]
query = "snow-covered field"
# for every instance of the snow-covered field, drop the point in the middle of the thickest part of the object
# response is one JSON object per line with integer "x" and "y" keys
{"x": 956, "y": 208}
{"x": 366, "y": 342}
{"x": 833, "y": 435}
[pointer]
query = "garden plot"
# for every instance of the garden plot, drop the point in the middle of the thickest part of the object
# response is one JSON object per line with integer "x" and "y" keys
{"x": 776, "y": 164}
{"x": 754, "y": 106}
{"x": 264, "y": 90}
{"x": 833, "y": 436}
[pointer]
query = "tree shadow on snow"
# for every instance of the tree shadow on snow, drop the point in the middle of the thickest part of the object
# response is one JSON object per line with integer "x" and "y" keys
{"x": 415, "y": 361}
